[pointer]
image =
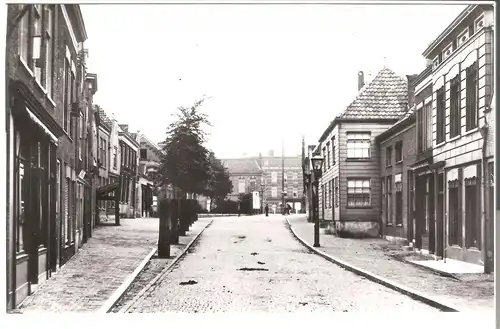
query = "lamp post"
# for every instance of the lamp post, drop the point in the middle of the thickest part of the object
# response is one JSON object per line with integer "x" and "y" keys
{"x": 262, "y": 198}
{"x": 310, "y": 210}
{"x": 317, "y": 163}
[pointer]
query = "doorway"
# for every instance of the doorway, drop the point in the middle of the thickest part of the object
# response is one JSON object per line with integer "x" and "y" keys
{"x": 440, "y": 216}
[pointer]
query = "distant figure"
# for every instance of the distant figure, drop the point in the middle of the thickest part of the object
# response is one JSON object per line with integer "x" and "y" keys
{"x": 267, "y": 210}
{"x": 238, "y": 209}
{"x": 288, "y": 208}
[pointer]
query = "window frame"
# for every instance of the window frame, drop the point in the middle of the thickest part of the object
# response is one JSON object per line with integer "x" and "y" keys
{"x": 355, "y": 195}
{"x": 333, "y": 151}
{"x": 398, "y": 152}
{"x": 388, "y": 156}
{"x": 440, "y": 116}
{"x": 455, "y": 107}
{"x": 472, "y": 93}
{"x": 354, "y": 140}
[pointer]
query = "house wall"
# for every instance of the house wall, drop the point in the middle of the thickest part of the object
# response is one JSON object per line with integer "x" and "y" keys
{"x": 464, "y": 152}
{"x": 360, "y": 221}
{"x": 390, "y": 228}
{"x": 331, "y": 209}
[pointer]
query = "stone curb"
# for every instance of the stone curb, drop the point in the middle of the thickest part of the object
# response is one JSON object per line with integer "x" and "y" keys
{"x": 167, "y": 269}
{"x": 444, "y": 306}
{"x": 111, "y": 301}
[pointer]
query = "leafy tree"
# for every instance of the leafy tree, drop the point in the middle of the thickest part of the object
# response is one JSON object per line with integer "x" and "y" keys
{"x": 185, "y": 163}
{"x": 219, "y": 184}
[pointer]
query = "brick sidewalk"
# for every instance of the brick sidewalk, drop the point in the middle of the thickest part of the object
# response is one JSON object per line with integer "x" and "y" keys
{"x": 473, "y": 292}
{"x": 90, "y": 277}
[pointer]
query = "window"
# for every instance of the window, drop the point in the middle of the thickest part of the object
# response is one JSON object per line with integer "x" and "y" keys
{"x": 328, "y": 155}
{"x": 388, "y": 156}
{"x": 66, "y": 96}
{"x": 455, "y": 117}
{"x": 358, "y": 145}
{"x": 49, "y": 44}
{"x": 472, "y": 215}
{"x": 274, "y": 177}
{"x": 382, "y": 200}
{"x": 115, "y": 157}
{"x": 333, "y": 151}
{"x": 24, "y": 37}
{"x": 330, "y": 203}
{"x": 58, "y": 188}
{"x": 399, "y": 151}
{"x": 274, "y": 192}
{"x": 398, "y": 184}
{"x": 37, "y": 32}
{"x": 325, "y": 195}
{"x": 411, "y": 196}
{"x": 21, "y": 206}
{"x": 67, "y": 220}
{"x": 441, "y": 115}
{"x": 324, "y": 157}
{"x": 358, "y": 193}
{"x": 71, "y": 99}
{"x": 471, "y": 97}
{"x": 388, "y": 201}
{"x": 336, "y": 192}
{"x": 455, "y": 218}
{"x": 143, "y": 154}
{"x": 241, "y": 185}
{"x": 80, "y": 137}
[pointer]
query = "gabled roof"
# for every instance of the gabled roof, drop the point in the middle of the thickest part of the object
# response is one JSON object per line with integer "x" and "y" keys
{"x": 105, "y": 119}
{"x": 386, "y": 97}
{"x": 242, "y": 166}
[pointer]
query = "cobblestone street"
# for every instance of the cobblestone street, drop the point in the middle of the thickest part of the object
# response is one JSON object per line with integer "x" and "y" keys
{"x": 472, "y": 292}
{"x": 255, "y": 264}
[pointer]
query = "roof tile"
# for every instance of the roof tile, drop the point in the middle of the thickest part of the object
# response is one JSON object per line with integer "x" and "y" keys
{"x": 385, "y": 97}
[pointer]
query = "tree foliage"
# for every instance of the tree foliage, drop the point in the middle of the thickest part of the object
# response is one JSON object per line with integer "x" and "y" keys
{"x": 219, "y": 184}
{"x": 185, "y": 163}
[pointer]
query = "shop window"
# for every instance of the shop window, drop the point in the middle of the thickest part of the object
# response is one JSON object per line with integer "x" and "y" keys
{"x": 472, "y": 215}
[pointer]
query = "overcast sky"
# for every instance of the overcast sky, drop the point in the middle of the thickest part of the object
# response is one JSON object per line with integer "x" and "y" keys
{"x": 273, "y": 72}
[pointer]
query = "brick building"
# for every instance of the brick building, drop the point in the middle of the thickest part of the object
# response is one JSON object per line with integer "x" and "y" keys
{"x": 245, "y": 175}
{"x": 47, "y": 109}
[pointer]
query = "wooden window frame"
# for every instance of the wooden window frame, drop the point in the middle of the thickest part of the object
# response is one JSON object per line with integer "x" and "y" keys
{"x": 472, "y": 78}
{"x": 388, "y": 156}
{"x": 440, "y": 116}
{"x": 398, "y": 152}
{"x": 363, "y": 193}
{"x": 351, "y": 140}
{"x": 455, "y": 107}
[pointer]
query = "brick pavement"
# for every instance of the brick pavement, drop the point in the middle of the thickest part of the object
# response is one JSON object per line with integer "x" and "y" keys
{"x": 90, "y": 277}
{"x": 286, "y": 276}
{"x": 473, "y": 292}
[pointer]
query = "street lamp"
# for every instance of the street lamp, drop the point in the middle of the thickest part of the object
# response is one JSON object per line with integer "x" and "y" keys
{"x": 262, "y": 198}
{"x": 317, "y": 164}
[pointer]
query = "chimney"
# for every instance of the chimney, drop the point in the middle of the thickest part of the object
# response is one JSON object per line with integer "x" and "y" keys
{"x": 138, "y": 137}
{"x": 361, "y": 80}
{"x": 411, "y": 89}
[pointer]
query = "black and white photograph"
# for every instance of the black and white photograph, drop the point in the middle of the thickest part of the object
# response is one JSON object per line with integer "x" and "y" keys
{"x": 266, "y": 157}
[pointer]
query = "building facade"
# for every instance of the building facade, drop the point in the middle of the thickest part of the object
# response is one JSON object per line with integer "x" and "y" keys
{"x": 450, "y": 219}
{"x": 149, "y": 160}
{"x": 47, "y": 105}
{"x": 282, "y": 174}
{"x": 397, "y": 153}
{"x": 349, "y": 191}
{"x": 129, "y": 149}
{"x": 245, "y": 175}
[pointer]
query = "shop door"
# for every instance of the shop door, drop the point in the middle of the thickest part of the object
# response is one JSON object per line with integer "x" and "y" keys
{"x": 440, "y": 216}
{"x": 431, "y": 214}
{"x": 419, "y": 213}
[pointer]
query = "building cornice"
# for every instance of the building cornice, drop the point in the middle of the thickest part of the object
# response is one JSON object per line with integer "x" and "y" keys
{"x": 459, "y": 19}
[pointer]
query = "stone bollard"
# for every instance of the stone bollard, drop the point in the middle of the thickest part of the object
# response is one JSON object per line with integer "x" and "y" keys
{"x": 164, "y": 230}
{"x": 174, "y": 221}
